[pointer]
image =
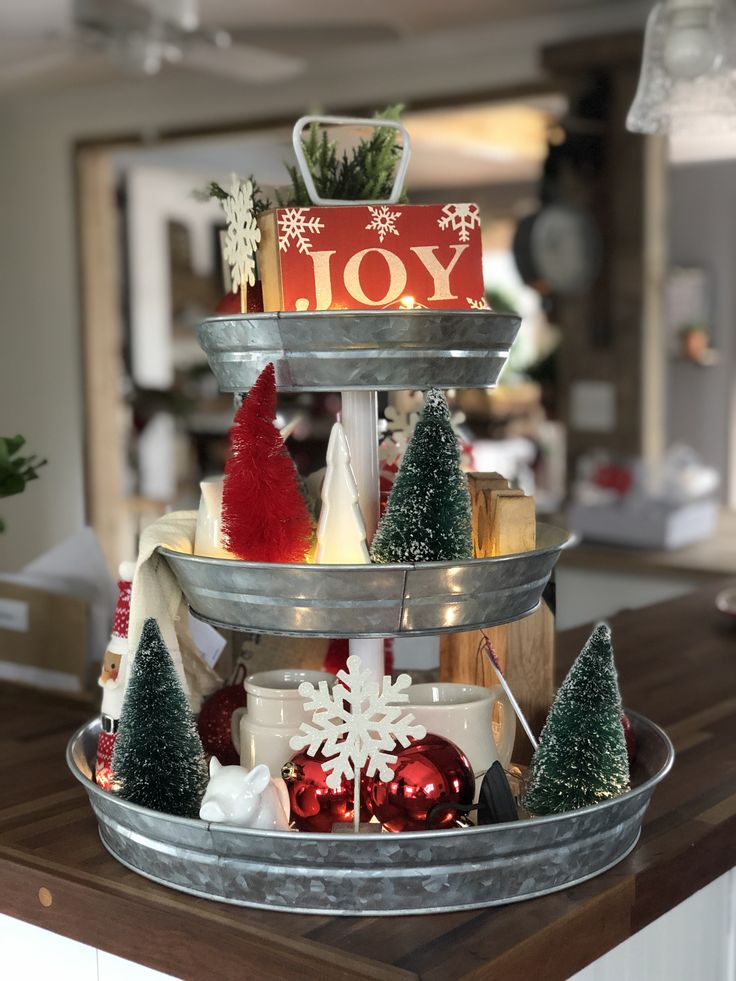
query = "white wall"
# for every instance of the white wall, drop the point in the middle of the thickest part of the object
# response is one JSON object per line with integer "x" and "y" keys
{"x": 40, "y": 356}
{"x": 703, "y": 233}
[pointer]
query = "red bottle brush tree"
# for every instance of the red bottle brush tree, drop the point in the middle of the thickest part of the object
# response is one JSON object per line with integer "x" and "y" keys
{"x": 264, "y": 516}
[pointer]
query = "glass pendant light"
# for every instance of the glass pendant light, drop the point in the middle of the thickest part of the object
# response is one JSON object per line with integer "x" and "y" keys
{"x": 687, "y": 86}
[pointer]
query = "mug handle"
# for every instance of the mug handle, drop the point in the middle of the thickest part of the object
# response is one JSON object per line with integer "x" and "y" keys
{"x": 235, "y": 726}
{"x": 508, "y": 726}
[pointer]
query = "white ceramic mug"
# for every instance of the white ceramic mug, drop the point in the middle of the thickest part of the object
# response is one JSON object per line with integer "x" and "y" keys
{"x": 274, "y": 712}
{"x": 464, "y": 715}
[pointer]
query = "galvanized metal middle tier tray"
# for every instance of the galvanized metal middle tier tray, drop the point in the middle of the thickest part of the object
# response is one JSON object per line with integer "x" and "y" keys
{"x": 338, "y": 350}
{"x": 376, "y": 874}
{"x": 367, "y": 600}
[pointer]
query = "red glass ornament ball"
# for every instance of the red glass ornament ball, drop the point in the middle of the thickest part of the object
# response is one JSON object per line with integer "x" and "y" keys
{"x": 429, "y": 771}
{"x": 314, "y": 805}
{"x": 213, "y": 723}
{"x": 629, "y": 737}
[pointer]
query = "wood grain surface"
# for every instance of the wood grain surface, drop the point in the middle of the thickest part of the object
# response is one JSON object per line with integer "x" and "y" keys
{"x": 677, "y": 663}
{"x": 504, "y": 522}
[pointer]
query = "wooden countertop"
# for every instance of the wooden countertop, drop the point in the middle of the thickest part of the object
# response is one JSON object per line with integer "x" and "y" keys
{"x": 713, "y": 558}
{"x": 677, "y": 662}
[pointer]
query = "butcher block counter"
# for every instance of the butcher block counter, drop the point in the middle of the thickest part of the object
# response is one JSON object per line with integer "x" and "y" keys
{"x": 677, "y": 665}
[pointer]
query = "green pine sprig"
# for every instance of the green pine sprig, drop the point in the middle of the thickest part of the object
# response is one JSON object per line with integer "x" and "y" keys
{"x": 365, "y": 173}
{"x": 261, "y": 202}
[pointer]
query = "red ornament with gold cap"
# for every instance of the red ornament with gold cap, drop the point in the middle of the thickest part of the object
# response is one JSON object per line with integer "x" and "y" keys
{"x": 110, "y": 679}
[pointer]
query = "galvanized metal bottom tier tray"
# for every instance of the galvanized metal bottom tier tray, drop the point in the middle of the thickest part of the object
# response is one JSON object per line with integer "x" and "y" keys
{"x": 367, "y": 600}
{"x": 376, "y": 874}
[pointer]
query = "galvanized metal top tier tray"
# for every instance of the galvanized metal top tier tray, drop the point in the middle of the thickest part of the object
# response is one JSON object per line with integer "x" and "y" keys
{"x": 375, "y": 874}
{"x": 367, "y": 600}
{"x": 339, "y": 350}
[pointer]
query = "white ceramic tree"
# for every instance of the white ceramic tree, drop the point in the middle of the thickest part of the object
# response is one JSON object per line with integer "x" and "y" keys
{"x": 341, "y": 531}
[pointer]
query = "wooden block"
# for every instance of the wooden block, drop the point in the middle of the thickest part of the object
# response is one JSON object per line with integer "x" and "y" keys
{"x": 504, "y": 523}
{"x": 488, "y": 479}
{"x": 513, "y": 523}
{"x": 481, "y": 524}
{"x": 269, "y": 267}
{"x": 529, "y": 670}
{"x": 462, "y": 660}
{"x": 480, "y": 487}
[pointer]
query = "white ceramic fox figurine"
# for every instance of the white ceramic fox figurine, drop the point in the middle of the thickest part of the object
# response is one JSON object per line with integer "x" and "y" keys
{"x": 246, "y": 798}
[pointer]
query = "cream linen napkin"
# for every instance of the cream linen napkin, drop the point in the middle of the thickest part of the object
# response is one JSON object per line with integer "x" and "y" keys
{"x": 156, "y": 593}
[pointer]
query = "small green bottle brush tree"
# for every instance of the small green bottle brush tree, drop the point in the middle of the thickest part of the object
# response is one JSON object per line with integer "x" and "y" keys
{"x": 427, "y": 517}
{"x": 158, "y": 761}
{"x": 581, "y": 757}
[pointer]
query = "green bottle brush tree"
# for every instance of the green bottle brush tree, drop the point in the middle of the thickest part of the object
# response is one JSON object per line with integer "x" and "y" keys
{"x": 158, "y": 759}
{"x": 581, "y": 757}
{"x": 427, "y": 517}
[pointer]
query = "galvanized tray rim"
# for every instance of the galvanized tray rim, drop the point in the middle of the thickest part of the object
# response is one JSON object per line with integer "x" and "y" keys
{"x": 416, "y": 314}
{"x": 92, "y": 788}
{"x": 417, "y": 632}
{"x": 408, "y": 911}
{"x": 570, "y": 539}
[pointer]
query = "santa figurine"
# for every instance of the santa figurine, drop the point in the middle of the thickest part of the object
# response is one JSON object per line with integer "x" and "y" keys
{"x": 110, "y": 680}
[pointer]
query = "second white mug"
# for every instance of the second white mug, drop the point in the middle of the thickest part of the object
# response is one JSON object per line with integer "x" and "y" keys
{"x": 274, "y": 712}
{"x": 464, "y": 714}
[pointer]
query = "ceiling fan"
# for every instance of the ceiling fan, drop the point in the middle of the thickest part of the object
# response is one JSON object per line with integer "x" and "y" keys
{"x": 146, "y": 36}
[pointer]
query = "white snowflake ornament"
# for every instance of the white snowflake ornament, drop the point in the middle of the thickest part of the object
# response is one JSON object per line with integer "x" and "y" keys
{"x": 460, "y": 218}
{"x": 243, "y": 234}
{"x": 356, "y": 725}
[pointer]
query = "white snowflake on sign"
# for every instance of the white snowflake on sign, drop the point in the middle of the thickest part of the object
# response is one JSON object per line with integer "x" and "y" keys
{"x": 383, "y": 220}
{"x": 242, "y": 236}
{"x": 356, "y": 725}
{"x": 460, "y": 218}
{"x": 477, "y": 304}
{"x": 296, "y": 226}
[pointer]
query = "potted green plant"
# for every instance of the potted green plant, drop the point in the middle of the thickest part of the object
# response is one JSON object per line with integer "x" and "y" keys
{"x": 15, "y": 470}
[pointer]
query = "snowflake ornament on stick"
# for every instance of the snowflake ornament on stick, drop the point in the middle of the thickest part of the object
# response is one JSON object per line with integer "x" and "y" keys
{"x": 242, "y": 237}
{"x": 357, "y": 725}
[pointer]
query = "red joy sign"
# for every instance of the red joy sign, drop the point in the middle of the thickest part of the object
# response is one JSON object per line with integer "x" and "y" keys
{"x": 372, "y": 257}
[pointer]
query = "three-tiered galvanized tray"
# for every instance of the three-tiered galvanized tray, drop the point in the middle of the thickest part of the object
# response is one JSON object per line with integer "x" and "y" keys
{"x": 375, "y": 874}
